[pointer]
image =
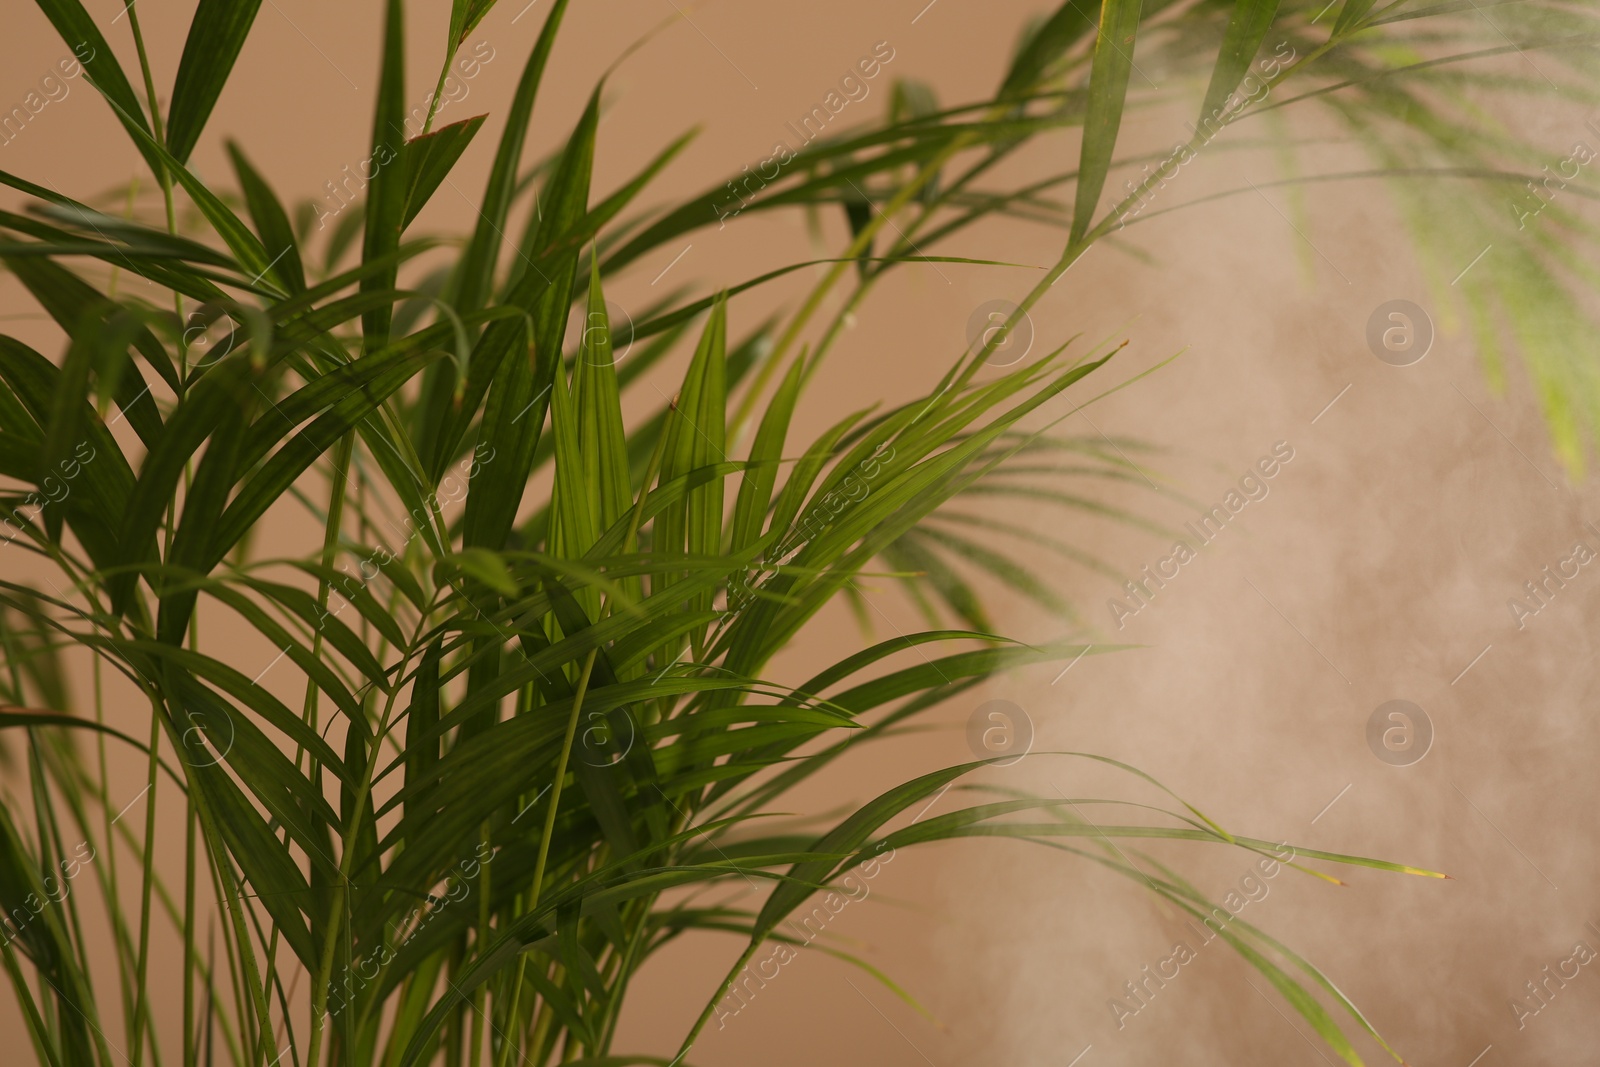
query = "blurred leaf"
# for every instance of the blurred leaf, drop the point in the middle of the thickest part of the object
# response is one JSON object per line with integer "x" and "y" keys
{"x": 1247, "y": 28}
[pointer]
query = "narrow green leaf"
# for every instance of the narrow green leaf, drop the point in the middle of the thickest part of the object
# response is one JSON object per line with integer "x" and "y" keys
{"x": 519, "y": 382}
{"x": 1108, "y": 89}
{"x": 277, "y": 883}
{"x": 289, "y": 462}
{"x": 464, "y": 18}
{"x": 247, "y": 249}
{"x": 1351, "y": 13}
{"x": 427, "y": 160}
{"x": 573, "y": 528}
{"x": 97, "y": 345}
{"x": 421, "y": 748}
{"x": 1063, "y": 29}
{"x": 92, "y": 478}
{"x": 272, "y": 222}
{"x": 194, "y": 541}
{"x": 488, "y": 568}
{"x": 761, "y": 475}
{"x": 387, "y": 191}
{"x": 80, "y": 33}
{"x": 1247, "y": 27}
{"x": 603, "y": 446}
{"x": 73, "y": 303}
{"x": 475, "y": 274}
{"x": 187, "y": 429}
{"x": 702, "y": 437}
{"x": 212, "y": 733}
{"x": 216, "y": 36}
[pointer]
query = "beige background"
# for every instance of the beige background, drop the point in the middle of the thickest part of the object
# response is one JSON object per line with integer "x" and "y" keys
{"x": 1380, "y": 562}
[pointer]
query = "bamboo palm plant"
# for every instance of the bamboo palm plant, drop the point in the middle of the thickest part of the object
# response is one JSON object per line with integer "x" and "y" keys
{"x": 538, "y": 719}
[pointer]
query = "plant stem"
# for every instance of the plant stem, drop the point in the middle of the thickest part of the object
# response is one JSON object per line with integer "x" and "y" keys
{"x": 480, "y": 995}
{"x": 319, "y": 992}
{"x": 511, "y": 1014}
{"x": 561, "y": 773}
{"x": 438, "y": 90}
{"x": 555, "y": 791}
{"x": 189, "y": 1051}
{"x": 109, "y": 882}
{"x": 337, "y": 490}
{"x": 141, "y": 1003}
{"x": 163, "y": 178}
{"x": 142, "y": 998}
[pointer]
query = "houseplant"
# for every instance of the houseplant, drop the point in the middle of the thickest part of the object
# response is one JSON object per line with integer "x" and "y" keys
{"x": 536, "y": 712}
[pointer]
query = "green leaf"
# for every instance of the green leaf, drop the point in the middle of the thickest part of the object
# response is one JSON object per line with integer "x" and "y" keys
{"x": 701, "y": 433}
{"x": 249, "y": 252}
{"x": 74, "y": 304}
{"x": 24, "y": 717}
{"x": 1247, "y": 27}
{"x": 603, "y": 443}
{"x": 427, "y": 160}
{"x": 277, "y": 883}
{"x": 216, "y": 37}
{"x": 96, "y": 476}
{"x": 187, "y": 429}
{"x": 518, "y": 384}
{"x": 573, "y": 527}
{"x": 761, "y": 474}
{"x": 1108, "y": 89}
{"x": 80, "y": 33}
{"x": 848, "y": 836}
{"x": 272, "y": 222}
{"x": 475, "y": 272}
{"x": 421, "y": 747}
{"x": 36, "y": 927}
{"x": 212, "y": 732}
{"x": 464, "y": 18}
{"x": 1351, "y": 13}
{"x": 289, "y": 462}
{"x": 386, "y": 195}
{"x": 155, "y": 658}
{"x": 488, "y": 568}
{"x": 99, "y": 345}
{"x": 1063, "y": 29}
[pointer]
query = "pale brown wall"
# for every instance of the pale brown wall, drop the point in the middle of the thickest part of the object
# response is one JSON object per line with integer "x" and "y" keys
{"x": 1388, "y": 546}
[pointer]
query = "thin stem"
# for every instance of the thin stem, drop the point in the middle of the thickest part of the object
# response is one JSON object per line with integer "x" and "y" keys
{"x": 109, "y": 880}
{"x": 561, "y": 773}
{"x": 555, "y": 792}
{"x": 163, "y": 178}
{"x": 141, "y": 984}
{"x": 37, "y": 1029}
{"x": 504, "y": 1059}
{"x": 189, "y": 1051}
{"x": 438, "y": 90}
{"x": 481, "y": 994}
{"x": 319, "y": 993}
{"x": 153, "y": 769}
{"x": 127, "y": 213}
{"x": 339, "y": 481}
{"x": 711, "y": 1007}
